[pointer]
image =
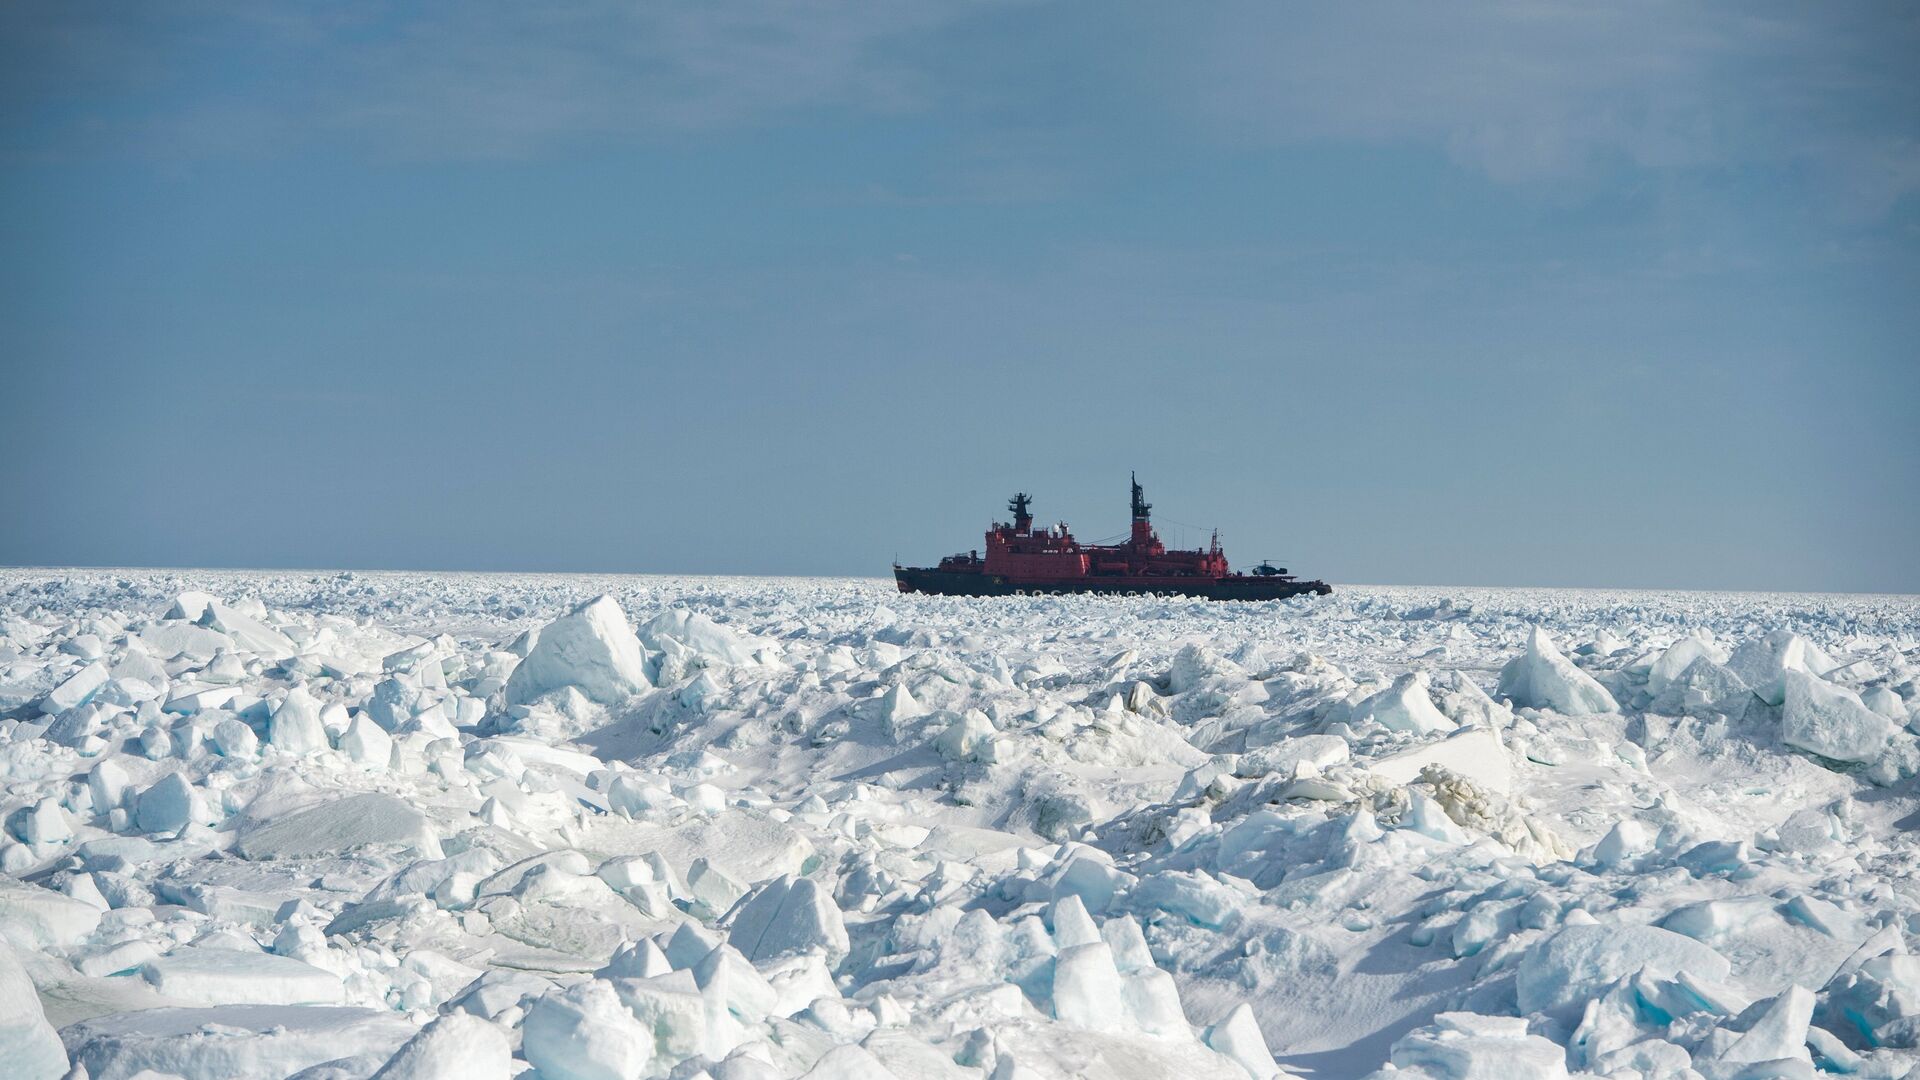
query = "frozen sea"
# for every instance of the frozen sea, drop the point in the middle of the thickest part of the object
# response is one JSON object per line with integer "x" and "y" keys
{"x": 342, "y": 825}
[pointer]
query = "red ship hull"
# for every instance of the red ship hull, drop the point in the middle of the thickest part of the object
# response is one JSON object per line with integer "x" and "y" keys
{"x": 1022, "y": 560}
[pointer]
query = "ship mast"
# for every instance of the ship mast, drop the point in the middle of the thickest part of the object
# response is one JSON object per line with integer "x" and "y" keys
{"x": 1022, "y": 516}
{"x": 1143, "y": 538}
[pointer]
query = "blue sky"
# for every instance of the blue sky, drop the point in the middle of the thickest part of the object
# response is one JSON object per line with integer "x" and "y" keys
{"x": 1457, "y": 294}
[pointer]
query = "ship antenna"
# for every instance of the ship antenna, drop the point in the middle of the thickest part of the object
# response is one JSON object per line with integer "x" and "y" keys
{"x": 1140, "y": 504}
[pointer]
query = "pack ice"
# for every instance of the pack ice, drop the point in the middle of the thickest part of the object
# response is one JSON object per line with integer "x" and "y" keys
{"x": 347, "y": 826}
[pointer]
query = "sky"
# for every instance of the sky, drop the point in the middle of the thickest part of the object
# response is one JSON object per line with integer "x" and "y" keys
{"x": 1527, "y": 294}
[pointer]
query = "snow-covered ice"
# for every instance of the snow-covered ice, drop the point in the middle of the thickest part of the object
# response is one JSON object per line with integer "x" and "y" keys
{"x": 559, "y": 827}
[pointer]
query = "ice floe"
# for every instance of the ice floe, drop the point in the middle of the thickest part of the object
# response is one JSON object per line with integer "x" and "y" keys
{"x": 348, "y": 826}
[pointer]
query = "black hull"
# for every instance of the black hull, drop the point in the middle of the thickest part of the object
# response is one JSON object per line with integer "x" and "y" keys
{"x": 913, "y": 579}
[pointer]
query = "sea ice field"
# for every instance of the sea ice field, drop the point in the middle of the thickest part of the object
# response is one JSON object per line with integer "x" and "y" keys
{"x": 351, "y": 825}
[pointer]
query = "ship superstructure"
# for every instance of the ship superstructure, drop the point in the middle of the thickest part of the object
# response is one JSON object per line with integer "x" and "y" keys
{"x": 1021, "y": 560}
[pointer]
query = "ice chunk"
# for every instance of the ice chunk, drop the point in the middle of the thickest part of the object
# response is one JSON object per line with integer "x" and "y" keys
{"x": 1885, "y": 702}
{"x": 232, "y": 1041}
{"x": 634, "y": 795}
{"x": 367, "y": 742}
{"x": 176, "y": 639}
{"x": 592, "y": 648}
{"x": 968, "y": 738}
{"x": 108, "y": 785}
{"x": 1429, "y": 818}
{"x": 638, "y": 960}
{"x": 671, "y": 1008}
{"x": 295, "y": 726}
{"x": 166, "y": 806}
{"x": 789, "y": 915}
{"x": 1780, "y": 1032}
{"x": 1196, "y": 897}
{"x": 585, "y": 1033}
{"x": 1465, "y": 1046}
{"x": 1153, "y": 1003}
{"x": 1087, "y": 989}
{"x": 1404, "y": 706}
{"x": 1702, "y": 686}
{"x": 43, "y": 823}
{"x": 1627, "y": 839}
{"x": 1605, "y": 643}
{"x": 898, "y": 706}
{"x": 1090, "y": 875}
{"x": 1678, "y": 658}
{"x": 848, "y": 1062}
{"x": 76, "y": 688}
{"x": 1238, "y": 1037}
{"x": 28, "y": 1045}
{"x": 1129, "y": 945}
{"x": 1541, "y": 678}
{"x": 1575, "y": 963}
{"x": 190, "y": 605}
{"x": 341, "y": 825}
{"x": 246, "y": 631}
{"x": 190, "y": 698}
{"x": 708, "y": 639}
{"x": 727, "y": 979}
{"x": 1474, "y": 753}
{"x": 712, "y": 888}
{"x": 1195, "y": 664}
{"x": 1822, "y": 718}
{"x": 234, "y": 739}
{"x": 33, "y": 918}
{"x": 207, "y": 976}
{"x": 1071, "y": 923}
{"x": 458, "y": 1046}
{"x": 690, "y": 944}
{"x": 1761, "y": 663}
{"x": 1284, "y": 758}
{"x": 1874, "y": 1003}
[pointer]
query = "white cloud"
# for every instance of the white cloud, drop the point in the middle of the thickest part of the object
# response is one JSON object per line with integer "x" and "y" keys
{"x": 1537, "y": 94}
{"x": 1529, "y": 92}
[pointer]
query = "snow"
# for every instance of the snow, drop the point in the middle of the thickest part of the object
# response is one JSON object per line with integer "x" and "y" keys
{"x": 469, "y": 825}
